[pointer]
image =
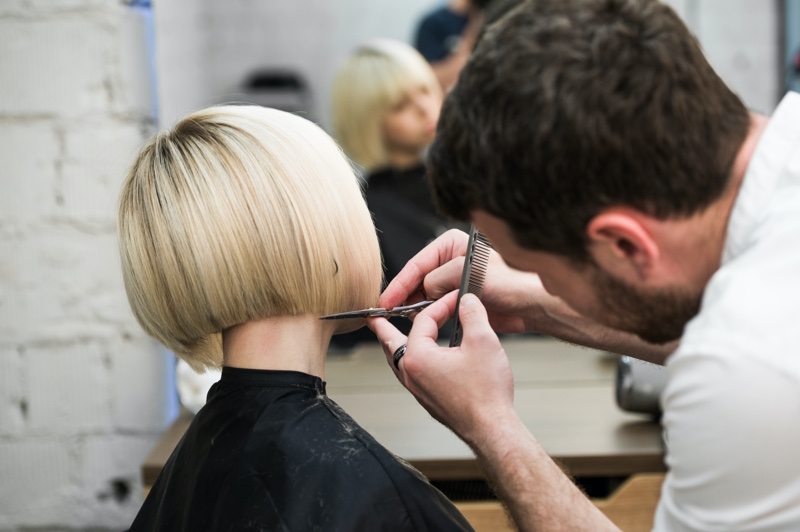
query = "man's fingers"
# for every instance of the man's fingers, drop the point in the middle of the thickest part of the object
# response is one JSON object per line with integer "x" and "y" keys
{"x": 391, "y": 339}
{"x": 444, "y": 279}
{"x": 410, "y": 279}
{"x": 474, "y": 320}
{"x": 401, "y": 289}
{"x": 428, "y": 322}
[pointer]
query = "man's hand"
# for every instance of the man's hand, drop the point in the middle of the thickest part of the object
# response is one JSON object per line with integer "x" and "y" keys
{"x": 466, "y": 388}
{"x": 515, "y": 301}
{"x": 470, "y": 389}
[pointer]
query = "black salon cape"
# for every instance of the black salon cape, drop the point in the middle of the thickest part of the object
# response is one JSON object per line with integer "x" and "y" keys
{"x": 271, "y": 452}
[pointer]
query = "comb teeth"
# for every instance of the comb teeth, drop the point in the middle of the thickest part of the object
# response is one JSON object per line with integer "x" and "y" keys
{"x": 476, "y": 263}
{"x": 479, "y": 265}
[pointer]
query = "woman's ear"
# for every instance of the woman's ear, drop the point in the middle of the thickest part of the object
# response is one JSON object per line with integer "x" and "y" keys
{"x": 620, "y": 243}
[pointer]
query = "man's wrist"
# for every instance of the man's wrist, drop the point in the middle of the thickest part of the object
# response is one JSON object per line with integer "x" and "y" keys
{"x": 494, "y": 430}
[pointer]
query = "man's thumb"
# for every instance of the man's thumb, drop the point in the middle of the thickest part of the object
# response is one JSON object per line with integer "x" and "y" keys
{"x": 471, "y": 311}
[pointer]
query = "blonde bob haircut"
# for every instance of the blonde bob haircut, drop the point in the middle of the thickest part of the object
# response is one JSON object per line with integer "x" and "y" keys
{"x": 241, "y": 213}
{"x": 371, "y": 80}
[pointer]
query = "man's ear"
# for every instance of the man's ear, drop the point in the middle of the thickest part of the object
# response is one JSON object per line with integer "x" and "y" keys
{"x": 620, "y": 243}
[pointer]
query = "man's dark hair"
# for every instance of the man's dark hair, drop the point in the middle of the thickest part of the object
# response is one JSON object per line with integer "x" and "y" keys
{"x": 567, "y": 107}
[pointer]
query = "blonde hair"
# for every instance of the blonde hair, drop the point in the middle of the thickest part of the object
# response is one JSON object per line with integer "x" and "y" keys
{"x": 374, "y": 78}
{"x": 241, "y": 213}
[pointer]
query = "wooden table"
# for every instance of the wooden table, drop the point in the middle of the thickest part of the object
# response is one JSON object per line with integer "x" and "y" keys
{"x": 564, "y": 394}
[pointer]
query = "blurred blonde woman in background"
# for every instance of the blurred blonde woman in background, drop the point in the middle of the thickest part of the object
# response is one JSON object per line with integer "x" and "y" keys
{"x": 238, "y": 228}
{"x": 386, "y": 103}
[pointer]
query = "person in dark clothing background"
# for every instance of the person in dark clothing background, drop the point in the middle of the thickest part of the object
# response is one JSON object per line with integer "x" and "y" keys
{"x": 386, "y": 103}
{"x": 238, "y": 229}
{"x": 446, "y": 35}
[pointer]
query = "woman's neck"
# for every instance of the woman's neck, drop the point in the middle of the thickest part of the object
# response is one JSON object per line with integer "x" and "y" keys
{"x": 296, "y": 343}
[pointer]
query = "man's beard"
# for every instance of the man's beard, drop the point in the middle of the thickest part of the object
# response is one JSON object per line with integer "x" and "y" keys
{"x": 657, "y": 316}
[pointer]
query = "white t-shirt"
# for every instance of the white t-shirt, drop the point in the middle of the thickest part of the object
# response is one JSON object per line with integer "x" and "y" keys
{"x": 732, "y": 401}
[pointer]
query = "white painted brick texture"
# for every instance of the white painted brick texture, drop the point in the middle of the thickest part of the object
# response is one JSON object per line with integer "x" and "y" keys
{"x": 13, "y": 402}
{"x": 54, "y": 65}
{"x": 29, "y": 158}
{"x": 83, "y": 393}
{"x": 38, "y": 482}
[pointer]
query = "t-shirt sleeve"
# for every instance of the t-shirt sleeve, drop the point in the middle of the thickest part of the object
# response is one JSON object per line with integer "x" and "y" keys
{"x": 732, "y": 429}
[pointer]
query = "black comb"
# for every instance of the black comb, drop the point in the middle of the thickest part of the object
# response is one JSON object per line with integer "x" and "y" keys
{"x": 476, "y": 262}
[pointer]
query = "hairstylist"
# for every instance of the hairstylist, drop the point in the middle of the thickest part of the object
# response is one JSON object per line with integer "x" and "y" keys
{"x": 636, "y": 206}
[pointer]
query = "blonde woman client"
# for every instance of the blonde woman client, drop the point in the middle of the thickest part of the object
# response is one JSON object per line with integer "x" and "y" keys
{"x": 386, "y": 104}
{"x": 238, "y": 229}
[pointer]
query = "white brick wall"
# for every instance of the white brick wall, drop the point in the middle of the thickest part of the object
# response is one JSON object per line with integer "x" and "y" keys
{"x": 83, "y": 393}
{"x": 38, "y": 486}
{"x": 13, "y": 403}
{"x": 29, "y": 175}
{"x": 71, "y": 70}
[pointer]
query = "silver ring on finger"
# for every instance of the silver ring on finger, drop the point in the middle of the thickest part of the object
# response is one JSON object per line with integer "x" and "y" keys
{"x": 398, "y": 354}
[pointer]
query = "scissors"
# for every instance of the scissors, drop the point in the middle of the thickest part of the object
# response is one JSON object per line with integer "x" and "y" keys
{"x": 404, "y": 311}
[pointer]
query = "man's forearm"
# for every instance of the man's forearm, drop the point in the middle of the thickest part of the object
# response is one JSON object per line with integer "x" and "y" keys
{"x": 546, "y": 314}
{"x": 538, "y": 494}
{"x": 522, "y": 294}
{"x": 579, "y": 330}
